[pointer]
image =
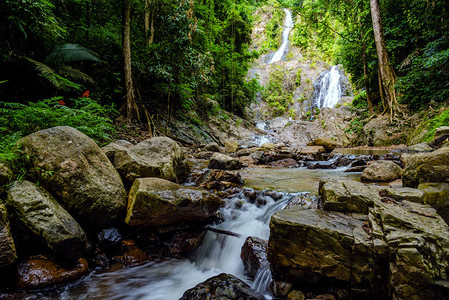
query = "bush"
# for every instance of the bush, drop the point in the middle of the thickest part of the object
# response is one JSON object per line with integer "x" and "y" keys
{"x": 85, "y": 114}
{"x": 438, "y": 121}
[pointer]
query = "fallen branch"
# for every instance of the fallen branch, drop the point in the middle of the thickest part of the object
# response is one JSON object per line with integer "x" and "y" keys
{"x": 221, "y": 231}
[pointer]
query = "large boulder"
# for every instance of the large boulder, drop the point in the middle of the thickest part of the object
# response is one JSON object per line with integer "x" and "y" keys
{"x": 381, "y": 170}
{"x": 41, "y": 272}
{"x": 437, "y": 195}
{"x": 117, "y": 146}
{"x": 5, "y": 174}
{"x": 219, "y": 180}
{"x": 231, "y": 146}
{"x": 158, "y": 202}
{"x": 156, "y": 157}
{"x": 38, "y": 210}
{"x": 254, "y": 255}
{"x": 426, "y": 167}
{"x": 73, "y": 169}
{"x": 224, "y": 162}
{"x": 328, "y": 143}
{"x": 346, "y": 196}
{"x": 8, "y": 253}
{"x": 223, "y": 286}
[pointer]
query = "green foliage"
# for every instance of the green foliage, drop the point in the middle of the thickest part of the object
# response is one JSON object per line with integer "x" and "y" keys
{"x": 360, "y": 101}
{"x": 85, "y": 114}
{"x": 438, "y": 121}
{"x": 279, "y": 91}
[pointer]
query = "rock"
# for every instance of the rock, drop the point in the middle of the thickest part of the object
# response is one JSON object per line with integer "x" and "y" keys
{"x": 158, "y": 202}
{"x": 246, "y": 152}
{"x": 156, "y": 157}
{"x": 426, "y": 167}
{"x": 111, "y": 149}
{"x": 109, "y": 239}
{"x": 132, "y": 255}
{"x": 8, "y": 253}
{"x": 185, "y": 244}
{"x": 381, "y": 170}
{"x": 219, "y": 180}
{"x": 321, "y": 165}
{"x": 254, "y": 255}
{"x": 328, "y": 143}
{"x": 5, "y": 174}
{"x": 280, "y": 288}
{"x": 423, "y": 147}
{"x": 223, "y": 286}
{"x": 231, "y": 146}
{"x": 346, "y": 196}
{"x": 296, "y": 295}
{"x": 268, "y": 146}
{"x": 73, "y": 169}
{"x": 284, "y": 163}
{"x": 436, "y": 195}
{"x": 377, "y": 132}
{"x": 356, "y": 169}
{"x": 312, "y": 150}
{"x": 259, "y": 157}
{"x": 39, "y": 212}
{"x": 440, "y": 131}
{"x": 224, "y": 162}
{"x": 212, "y": 147}
{"x": 307, "y": 245}
{"x": 40, "y": 272}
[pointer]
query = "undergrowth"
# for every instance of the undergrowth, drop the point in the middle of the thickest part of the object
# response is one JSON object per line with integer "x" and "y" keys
{"x": 438, "y": 121}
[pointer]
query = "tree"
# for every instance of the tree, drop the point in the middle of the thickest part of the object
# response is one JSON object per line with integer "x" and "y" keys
{"x": 387, "y": 75}
{"x": 130, "y": 107}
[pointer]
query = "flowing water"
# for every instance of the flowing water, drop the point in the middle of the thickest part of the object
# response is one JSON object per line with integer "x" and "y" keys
{"x": 328, "y": 89}
{"x": 288, "y": 25}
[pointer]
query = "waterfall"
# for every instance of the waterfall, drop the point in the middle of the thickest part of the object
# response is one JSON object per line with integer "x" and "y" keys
{"x": 328, "y": 89}
{"x": 288, "y": 25}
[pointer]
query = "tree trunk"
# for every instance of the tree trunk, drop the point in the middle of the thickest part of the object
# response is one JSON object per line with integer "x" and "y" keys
{"x": 130, "y": 106}
{"x": 149, "y": 23}
{"x": 387, "y": 75}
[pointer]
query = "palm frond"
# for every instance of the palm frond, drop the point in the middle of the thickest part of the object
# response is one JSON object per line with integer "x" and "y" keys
{"x": 409, "y": 59}
{"x": 69, "y": 53}
{"x": 75, "y": 74}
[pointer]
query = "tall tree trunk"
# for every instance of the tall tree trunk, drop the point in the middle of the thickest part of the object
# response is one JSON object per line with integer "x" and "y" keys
{"x": 130, "y": 106}
{"x": 149, "y": 23}
{"x": 387, "y": 75}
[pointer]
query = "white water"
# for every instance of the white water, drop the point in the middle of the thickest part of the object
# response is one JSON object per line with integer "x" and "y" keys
{"x": 330, "y": 89}
{"x": 288, "y": 25}
{"x": 262, "y": 139}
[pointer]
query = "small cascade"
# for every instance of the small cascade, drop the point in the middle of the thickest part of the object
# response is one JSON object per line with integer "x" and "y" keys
{"x": 288, "y": 25}
{"x": 262, "y": 139}
{"x": 328, "y": 89}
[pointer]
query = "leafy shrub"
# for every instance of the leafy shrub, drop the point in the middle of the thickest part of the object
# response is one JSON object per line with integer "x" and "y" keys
{"x": 438, "y": 121}
{"x": 85, "y": 114}
{"x": 360, "y": 100}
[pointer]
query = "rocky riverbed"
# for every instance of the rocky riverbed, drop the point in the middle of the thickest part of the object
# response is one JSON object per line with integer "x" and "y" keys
{"x": 108, "y": 221}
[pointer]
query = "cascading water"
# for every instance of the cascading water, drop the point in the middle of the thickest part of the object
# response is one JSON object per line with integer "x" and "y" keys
{"x": 328, "y": 89}
{"x": 262, "y": 139}
{"x": 288, "y": 25}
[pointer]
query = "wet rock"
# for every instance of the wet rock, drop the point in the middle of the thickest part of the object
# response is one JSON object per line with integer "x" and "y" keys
{"x": 321, "y": 165}
{"x": 306, "y": 200}
{"x": 254, "y": 255}
{"x": 296, "y": 295}
{"x": 284, "y": 163}
{"x": 109, "y": 239}
{"x": 426, "y": 167}
{"x": 40, "y": 272}
{"x": 231, "y": 146}
{"x": 8, "y": 253}
{"x": 41, "y": 214}
{"x": 73, "y": 169}
{"x": 246, "y": 151}
{"x": 132, "y": 254}
{"x": 185, "y": 244}
{"x": 363, "y": 161}
{"x": 325, "y": 297}
{"x": 346, "y": 196}
{"x": 212, "y": 147}
{"x": 273, "y": 194}
{"x": 223, "y": 286}
{"x": 280, "y": 288}
{"x": 313, "y": 150}
{"x": 436, "y": 195}
{"x": 219, "y": 180}
{"x": 156, "y": 157}
{"x": 259, "y": 157}
{"x": 328, "y": 143}
{"x": 224, "y": 162}
{"x": 158, "y": 202}
{"x": 381, "y": 170}
{"x": 355, "y": 169}
{"x": 268, "y": 146}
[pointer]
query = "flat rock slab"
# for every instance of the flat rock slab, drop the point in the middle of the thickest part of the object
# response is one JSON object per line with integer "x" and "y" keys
{"x": 158, "y": 202}
{"x": 73, "y": 169}
{"x": 41, "y": 213}
{"x": 224, "y": 162}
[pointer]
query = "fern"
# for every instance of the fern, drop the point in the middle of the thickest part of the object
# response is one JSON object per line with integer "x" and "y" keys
{"x": 66, "y": 53}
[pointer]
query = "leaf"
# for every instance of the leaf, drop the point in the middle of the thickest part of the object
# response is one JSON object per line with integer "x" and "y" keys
{"x": 75, "y": 74}
{"x": 69, "y": 53}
